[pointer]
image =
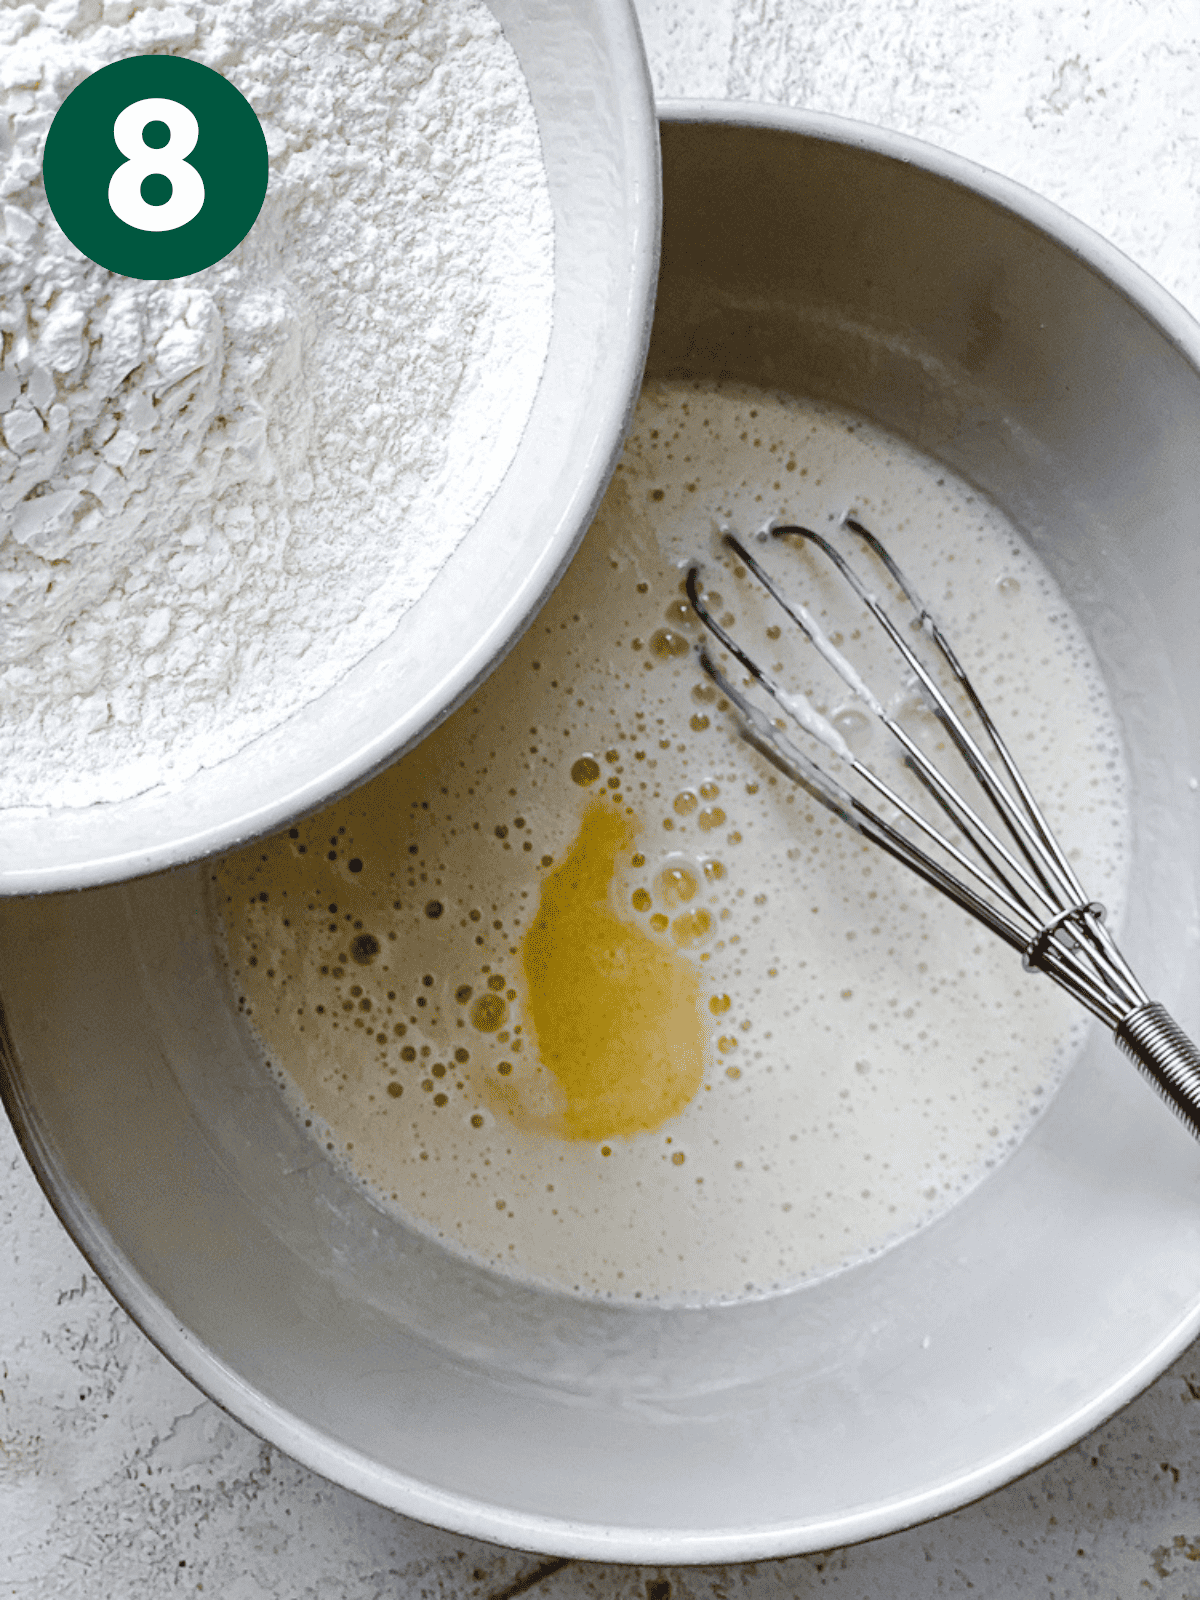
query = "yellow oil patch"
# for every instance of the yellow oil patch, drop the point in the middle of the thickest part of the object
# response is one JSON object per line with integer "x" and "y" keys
{"x": 616, "y": 1013}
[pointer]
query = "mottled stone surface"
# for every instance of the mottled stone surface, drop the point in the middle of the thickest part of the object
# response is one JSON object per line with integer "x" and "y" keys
{"x": 118, "y": 1479}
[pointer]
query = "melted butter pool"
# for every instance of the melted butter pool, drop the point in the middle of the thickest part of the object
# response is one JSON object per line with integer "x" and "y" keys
{"x": 615, "y": 1012}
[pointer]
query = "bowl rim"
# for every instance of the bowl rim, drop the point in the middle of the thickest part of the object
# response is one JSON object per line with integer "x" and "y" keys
{"x": 626, "y": 1544}
{"x": 1177, "y": 324}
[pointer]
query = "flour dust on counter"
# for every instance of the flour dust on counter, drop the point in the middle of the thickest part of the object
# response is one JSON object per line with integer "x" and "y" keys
{"x": 586, "y": 990}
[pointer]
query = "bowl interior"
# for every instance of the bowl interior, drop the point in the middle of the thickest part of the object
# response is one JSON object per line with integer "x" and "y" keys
{"x": 993, "y": 333}
{"x": 588, "y": 80}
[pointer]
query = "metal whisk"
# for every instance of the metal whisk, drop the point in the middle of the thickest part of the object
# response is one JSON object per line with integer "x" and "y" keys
{"x": 1004, "y": 867}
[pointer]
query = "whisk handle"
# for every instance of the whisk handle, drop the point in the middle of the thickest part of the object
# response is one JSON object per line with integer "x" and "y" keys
{"x": 1154, "y": 1040}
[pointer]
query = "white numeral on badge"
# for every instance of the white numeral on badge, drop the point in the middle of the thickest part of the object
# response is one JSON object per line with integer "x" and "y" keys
{"x": 125, "y": 185}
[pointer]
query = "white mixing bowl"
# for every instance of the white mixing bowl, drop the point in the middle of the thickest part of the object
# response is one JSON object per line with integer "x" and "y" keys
{"x": 1000, "y": 336}
{"x": 590, "y": 87}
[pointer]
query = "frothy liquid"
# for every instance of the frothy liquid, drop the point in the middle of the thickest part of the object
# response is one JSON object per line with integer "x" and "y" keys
{"x": 585, "y": 989}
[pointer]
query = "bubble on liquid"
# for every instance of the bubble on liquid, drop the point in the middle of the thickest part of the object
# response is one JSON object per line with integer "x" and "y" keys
{"x": 914, "y": 713}
{"x": 666, "y": 644}
{"x": 585, "y": 771}
{"x": 676, "y": 882}
{"x": 489, "y": 1013}
{"x": 855, "y": 727}
{"x": 364, "y": 947}
{"x": 691, "y": 927}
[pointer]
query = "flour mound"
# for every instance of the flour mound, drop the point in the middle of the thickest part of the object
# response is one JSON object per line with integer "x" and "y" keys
{"x": 217, "y": 493}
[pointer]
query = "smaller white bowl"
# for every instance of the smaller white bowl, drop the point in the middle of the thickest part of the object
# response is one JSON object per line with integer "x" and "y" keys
{"x": 591, "y": 93}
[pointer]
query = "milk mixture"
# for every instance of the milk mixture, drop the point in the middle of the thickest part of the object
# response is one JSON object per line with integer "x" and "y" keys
{"x": 586, "y": 990}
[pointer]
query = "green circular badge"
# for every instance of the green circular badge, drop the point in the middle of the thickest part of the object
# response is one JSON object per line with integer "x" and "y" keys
{"x": 155, "y": 167}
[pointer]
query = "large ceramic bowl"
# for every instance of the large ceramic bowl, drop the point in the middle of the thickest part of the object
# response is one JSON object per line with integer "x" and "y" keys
{"x": 590, "y": 87}
{"x": 998, "y": 335}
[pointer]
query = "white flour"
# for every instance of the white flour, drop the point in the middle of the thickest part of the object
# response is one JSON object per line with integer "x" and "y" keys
{"x": 217, "y": 493}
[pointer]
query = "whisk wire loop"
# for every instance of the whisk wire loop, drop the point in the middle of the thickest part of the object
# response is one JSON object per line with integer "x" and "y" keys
{"x": 1009, "y": 878}
{"x": 1101, "y": 947}
{"x": 1009, "y": 873}
{"x": 929, "y": 622}
{"x": 1045, "y": 883}
{"x": 797, "y": 765}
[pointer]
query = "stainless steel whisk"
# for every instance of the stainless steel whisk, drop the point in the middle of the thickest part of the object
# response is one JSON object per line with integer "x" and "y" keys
{"x": 1006, "y": 869}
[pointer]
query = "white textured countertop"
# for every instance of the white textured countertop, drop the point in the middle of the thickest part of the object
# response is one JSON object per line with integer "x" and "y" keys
{"x": 118, "y": 1479}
